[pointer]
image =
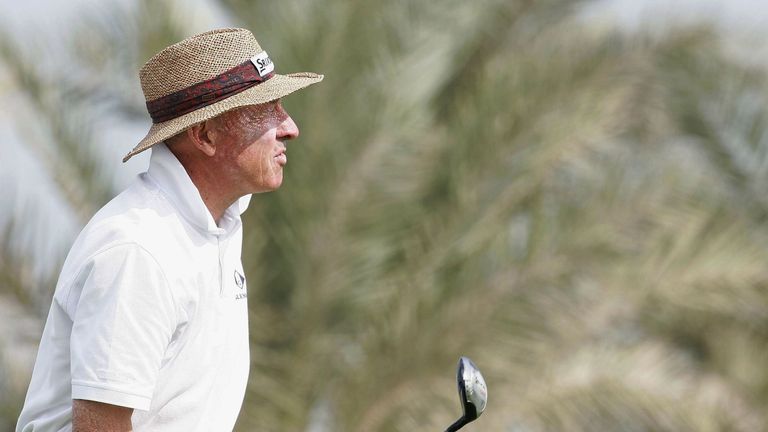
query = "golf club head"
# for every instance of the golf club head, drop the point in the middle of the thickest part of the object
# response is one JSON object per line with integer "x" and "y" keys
{"x": 473, "y": 392}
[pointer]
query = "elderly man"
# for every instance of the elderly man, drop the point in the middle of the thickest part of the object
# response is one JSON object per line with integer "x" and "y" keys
{"x": 148, "y": 329}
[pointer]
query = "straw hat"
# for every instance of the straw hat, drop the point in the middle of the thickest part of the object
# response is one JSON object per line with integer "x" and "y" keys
{"x": 206, "y": 75}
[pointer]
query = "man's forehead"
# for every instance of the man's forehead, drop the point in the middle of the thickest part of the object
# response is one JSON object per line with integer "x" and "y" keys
{"x": 257, "y": 108}
{"x": 257, "y": 116}
{"x": 243, "y": 110}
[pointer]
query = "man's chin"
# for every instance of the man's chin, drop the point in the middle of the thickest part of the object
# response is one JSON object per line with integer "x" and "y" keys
{"x": 270, "y": 187}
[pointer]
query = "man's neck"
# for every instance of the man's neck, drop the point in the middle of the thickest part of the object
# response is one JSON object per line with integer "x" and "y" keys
{"x": 212, "y": 188}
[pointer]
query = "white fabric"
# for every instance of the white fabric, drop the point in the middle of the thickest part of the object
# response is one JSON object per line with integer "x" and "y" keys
{"x": 149, "y": 313}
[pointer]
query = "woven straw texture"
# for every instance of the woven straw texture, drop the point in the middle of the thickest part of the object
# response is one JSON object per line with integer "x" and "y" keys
{"x": 202, "y": 57}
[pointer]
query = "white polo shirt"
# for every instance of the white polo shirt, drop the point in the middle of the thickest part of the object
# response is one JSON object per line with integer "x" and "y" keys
{"x": 149, "y": 312}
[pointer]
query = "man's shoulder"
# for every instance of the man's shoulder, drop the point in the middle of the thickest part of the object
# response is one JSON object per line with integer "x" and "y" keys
{"x": 139, "y": 216}
{"x": 137, "y": 221}
{"x": 129, "y": 216}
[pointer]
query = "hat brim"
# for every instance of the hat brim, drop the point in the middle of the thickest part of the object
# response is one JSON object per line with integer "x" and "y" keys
{"x": 276, "y": 87}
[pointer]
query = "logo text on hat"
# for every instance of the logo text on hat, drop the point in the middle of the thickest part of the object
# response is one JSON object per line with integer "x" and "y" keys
{"x": 263, "y": 63}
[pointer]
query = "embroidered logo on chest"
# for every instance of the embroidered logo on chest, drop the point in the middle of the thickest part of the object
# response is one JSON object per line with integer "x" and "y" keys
{"x": 239, "y": 280}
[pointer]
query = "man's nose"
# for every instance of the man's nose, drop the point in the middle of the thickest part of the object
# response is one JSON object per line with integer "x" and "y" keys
{"x": 287, "y": 129}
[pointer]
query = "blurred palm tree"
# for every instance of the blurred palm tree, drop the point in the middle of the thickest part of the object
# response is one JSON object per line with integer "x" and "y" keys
{"x": 579, "y": 210}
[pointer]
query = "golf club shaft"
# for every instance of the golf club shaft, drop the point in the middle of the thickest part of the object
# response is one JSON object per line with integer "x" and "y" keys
{"x": 457, "y": 425}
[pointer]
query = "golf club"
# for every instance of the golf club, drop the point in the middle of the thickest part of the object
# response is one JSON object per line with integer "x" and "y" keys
{"x": 473, "y": 393}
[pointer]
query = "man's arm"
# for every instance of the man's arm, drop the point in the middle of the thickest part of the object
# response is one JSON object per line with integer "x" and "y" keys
{"x": 90, "y": 416}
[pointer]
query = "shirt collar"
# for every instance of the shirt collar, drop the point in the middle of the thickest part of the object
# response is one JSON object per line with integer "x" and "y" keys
{"x": 174, "y": 181}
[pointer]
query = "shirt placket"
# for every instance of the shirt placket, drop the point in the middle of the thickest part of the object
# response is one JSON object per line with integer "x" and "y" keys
{"x": 220, "y": 250}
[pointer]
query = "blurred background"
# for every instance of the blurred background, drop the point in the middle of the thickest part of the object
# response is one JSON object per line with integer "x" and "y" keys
{"x": 571, "y": 193}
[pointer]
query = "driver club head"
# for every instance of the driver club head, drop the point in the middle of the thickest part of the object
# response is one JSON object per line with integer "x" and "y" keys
{"x": 473, "y": 393}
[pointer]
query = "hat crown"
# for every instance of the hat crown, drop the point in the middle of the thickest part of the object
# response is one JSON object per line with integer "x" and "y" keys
{"x": 196, "y": 59}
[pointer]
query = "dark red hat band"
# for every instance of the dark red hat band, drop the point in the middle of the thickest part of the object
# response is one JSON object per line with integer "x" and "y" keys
{"x": 196, "y": 96}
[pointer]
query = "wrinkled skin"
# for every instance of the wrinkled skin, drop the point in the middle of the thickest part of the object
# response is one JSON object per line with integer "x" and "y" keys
{"x": 238, "y": 153}
{"x": 254, "y": 145}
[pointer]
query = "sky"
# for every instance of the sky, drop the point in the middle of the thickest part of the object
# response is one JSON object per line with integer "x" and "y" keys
{"x": 733, "y": 15}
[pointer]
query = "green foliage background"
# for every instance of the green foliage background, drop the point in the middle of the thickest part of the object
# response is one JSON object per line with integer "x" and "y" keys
{"x": 578, "y": 209}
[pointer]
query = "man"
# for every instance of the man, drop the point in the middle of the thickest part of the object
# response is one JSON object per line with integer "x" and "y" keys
{"x": 148, "y": 326}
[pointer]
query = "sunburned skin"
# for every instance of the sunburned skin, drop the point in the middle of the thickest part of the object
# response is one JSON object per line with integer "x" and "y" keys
{"x": 91, "y": 416}
{"x": 240, "y": 152}
{"x": 251, "y": 121}
{"x": 255, "y": 145}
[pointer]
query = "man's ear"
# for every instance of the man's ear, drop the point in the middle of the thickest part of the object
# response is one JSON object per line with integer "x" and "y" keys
{"x": 203, "y": 137}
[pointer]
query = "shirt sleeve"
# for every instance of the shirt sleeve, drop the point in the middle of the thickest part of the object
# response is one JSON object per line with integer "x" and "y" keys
{"x": 124, "y": 317}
